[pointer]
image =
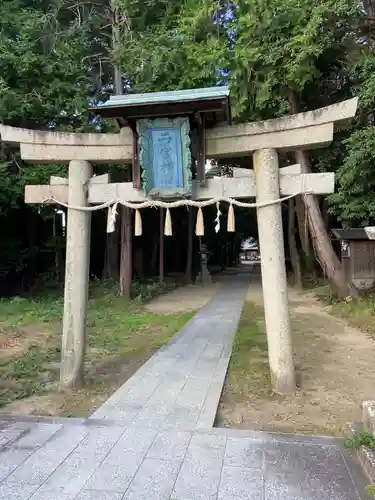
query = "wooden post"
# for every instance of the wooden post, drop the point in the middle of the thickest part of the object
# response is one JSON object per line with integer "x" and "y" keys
{"x": 76, "y": 277}
{"x": 274, "y": 282}
{"x": 189, "y": 256}
{"x": 161, "y": 246}
{"x": 293, "y": 250}
{"x": 126, "y": 268}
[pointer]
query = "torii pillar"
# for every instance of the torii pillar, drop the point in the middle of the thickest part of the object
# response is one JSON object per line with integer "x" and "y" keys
{"x": 274, "y": 280}
{"x": 77, "y": 266}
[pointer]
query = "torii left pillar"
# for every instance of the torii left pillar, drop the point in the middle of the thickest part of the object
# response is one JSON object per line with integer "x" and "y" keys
{"x": 76, "y": 276}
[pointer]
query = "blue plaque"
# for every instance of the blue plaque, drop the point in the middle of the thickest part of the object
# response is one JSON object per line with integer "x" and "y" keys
{"x": 165, "y": 157}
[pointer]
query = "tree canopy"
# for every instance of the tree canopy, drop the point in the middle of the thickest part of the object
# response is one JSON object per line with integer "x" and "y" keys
{"x": 56, "y": 58}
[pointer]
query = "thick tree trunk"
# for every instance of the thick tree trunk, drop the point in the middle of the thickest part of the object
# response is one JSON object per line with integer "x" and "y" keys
{"x": 324, "y": 251}
{"x": 294, "y": 255}
{"x": 126, "y": 253}
{"x": 325, "y": 213}
{"x": 189, "y": 255}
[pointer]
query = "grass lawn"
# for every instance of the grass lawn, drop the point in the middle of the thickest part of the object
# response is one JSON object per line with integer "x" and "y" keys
{"x": 120, "y": 337}
{"x": 358, "y": 313}
{"x": 248, "y": 369}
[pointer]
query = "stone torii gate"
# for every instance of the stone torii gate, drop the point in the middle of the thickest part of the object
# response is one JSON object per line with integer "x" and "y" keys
{"x": 266, "y": 183}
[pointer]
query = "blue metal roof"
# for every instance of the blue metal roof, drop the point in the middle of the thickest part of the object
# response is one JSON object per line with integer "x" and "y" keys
{"x": 176, "y": 96}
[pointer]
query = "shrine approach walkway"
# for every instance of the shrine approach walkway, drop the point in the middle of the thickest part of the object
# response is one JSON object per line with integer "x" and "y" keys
{"x": 154, "y": 438}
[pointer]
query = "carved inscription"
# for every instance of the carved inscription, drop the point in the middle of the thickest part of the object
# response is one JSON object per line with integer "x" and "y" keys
{"x": 166, "y": 158}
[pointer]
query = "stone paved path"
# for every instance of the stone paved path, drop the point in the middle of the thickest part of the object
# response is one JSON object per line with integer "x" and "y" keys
{"x": 154, "y": 438}
{"x": 180, "y": 386}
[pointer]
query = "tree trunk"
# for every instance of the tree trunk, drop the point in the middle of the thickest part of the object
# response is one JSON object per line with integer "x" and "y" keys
{"x": 303, "y": 229}
{"x": 294, "y": 255}
{"x": 111, "y": 267}
{"x": 154, "y": 256}
{"x": 325, "y": 213}
{"x": 189, "y": 255}
{"x": 308, "y": 257}
{"x": 324, "y": 251}
{"x": 126, "y": 253}
{"x": 111, "y": 258}
{"x": 32, "y": 271}
{"x": 139, "y": 263}
{"x": 126, "y": 236}
{"x": 116, "y": 44}
{"x": 369, "y": 6}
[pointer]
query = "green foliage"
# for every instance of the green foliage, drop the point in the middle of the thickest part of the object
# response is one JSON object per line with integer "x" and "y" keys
{"x": 279, "y": 47}
{"x": 147, "y": 290}
{"x": 355, "y": 442}
{"x": 176, "y": 45}
{"x": 56, "y": 59}
{"x": 360, "y": 438}
{"x": 46, "y": 65}
{"x": 354, "y": 201}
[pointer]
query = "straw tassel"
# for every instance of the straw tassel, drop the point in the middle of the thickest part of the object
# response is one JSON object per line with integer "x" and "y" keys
{"x": 199, "y": 228}
{"x": 231, "y": 225}
{"x": 110, "y": 227}
{"x": 111, "y": 218}
{"x": 168, "y": 223}
{"x": 138, "y": 223}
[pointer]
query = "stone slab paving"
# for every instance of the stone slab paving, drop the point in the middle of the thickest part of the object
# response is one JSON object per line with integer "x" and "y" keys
{"x": 70, "y": 459}
{"x": 154, "y": 439}
{"x": 180, "y": 386}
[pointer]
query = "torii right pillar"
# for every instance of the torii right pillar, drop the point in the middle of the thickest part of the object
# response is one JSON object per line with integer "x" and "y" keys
{"x": 274, "y": 280}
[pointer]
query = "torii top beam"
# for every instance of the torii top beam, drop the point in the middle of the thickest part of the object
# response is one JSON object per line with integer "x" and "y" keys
{"x": 307, "y": 130}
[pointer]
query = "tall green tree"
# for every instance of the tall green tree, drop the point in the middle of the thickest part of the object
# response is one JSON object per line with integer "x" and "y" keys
{"x": 282, "y": 50}
{"x": 53, "y": 59}
{"x": 353, "y": 202}
{"x": 178, "y": 44}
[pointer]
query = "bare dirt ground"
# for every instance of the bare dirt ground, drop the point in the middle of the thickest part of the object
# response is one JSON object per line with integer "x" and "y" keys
{"x": 335, "y": 372}
{"x": 184, "y": 299}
